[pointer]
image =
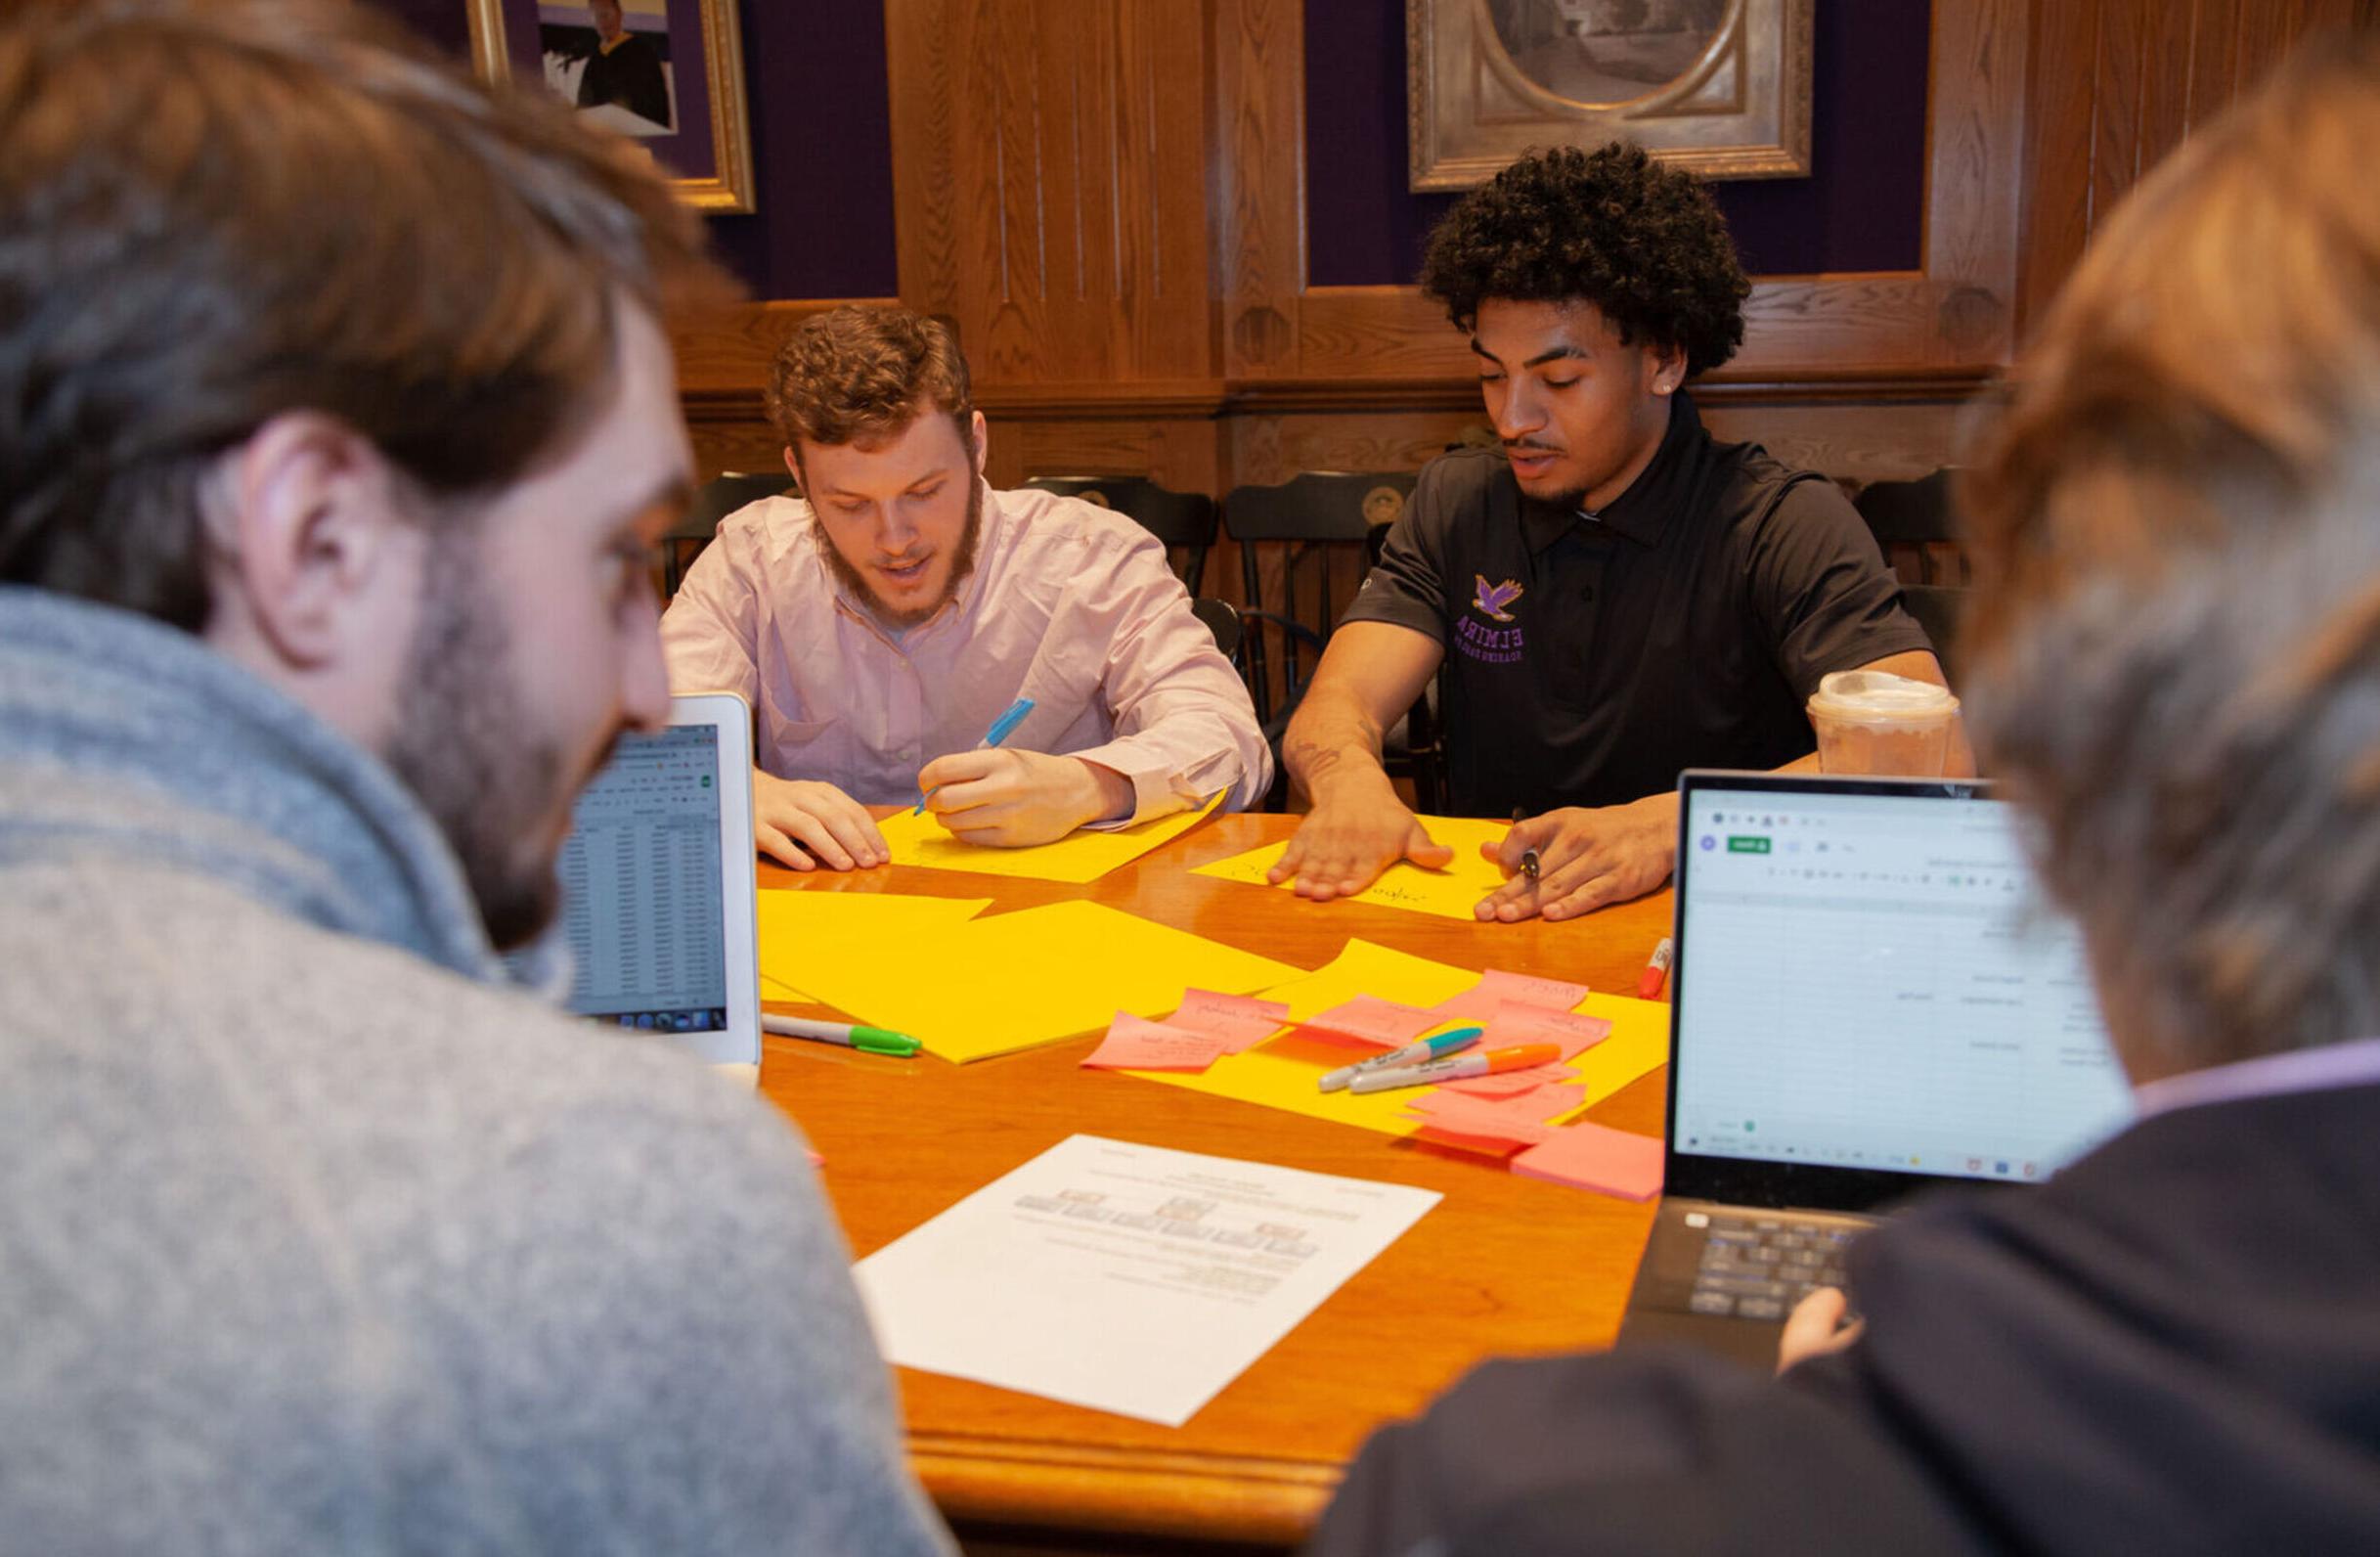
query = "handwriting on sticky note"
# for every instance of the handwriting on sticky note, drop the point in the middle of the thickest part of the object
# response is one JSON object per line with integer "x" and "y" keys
{"x": 1610, "y": 1162}
{"x": 1369, "y": 1019}
{"x": 1135, "y": 1044}
{"x": 1239, "y": 1020}
{"x": 1497, "y": 989}
{"x": 1529, "y": 1024}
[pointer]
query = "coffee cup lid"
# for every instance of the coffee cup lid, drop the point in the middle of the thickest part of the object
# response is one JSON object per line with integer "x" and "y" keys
{"x": 1874, "y": 694}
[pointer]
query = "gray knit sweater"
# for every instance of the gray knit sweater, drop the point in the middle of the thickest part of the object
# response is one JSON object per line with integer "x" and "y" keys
{"x": 316, "y": 1235}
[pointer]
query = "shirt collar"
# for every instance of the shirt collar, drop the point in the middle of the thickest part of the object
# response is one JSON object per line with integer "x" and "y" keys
{"x": 1656, "y": 495}
{"x": 2324, "y": 1068}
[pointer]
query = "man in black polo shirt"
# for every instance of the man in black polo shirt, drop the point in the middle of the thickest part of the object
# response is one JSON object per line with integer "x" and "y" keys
{"x": 1614, "y": 596}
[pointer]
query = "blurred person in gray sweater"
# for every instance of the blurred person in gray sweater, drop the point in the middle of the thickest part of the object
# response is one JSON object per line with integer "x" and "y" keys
{"x": 336, "y": 422}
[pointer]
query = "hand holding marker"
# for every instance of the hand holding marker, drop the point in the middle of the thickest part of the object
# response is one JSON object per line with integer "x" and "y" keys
{"x": 1001, "y": 728}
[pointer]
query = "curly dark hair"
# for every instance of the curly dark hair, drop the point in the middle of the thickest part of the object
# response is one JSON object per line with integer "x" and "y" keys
{"x": 1611, "y": 227}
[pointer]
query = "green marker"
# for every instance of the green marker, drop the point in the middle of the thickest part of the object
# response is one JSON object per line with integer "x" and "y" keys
{"x": 867, "y": 1039}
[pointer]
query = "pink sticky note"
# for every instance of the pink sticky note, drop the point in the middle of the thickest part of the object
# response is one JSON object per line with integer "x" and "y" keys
{"x": 1511, "y": 1084}
{"x": 1134, "y": 1043}
{"x": 1239, "y": 1020}
{"x": 1469, "y": 1116}
{"x": 1439, "y": 1135}
{"x": 1532, "y": 1107}
{"x": 1531, "y": 1024}
{"x": 1610, "y": 1162}
{"x": 1369, "y": 1019}
{"x": 1497, "y": 989}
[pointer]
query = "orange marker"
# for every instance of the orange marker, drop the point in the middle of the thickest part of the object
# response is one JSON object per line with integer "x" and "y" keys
{"x": 1521, "y": 1056}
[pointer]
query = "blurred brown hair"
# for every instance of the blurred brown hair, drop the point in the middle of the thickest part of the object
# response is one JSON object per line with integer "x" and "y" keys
{"x": 214, "y": 213}
{"x": 855, "y": 374}
{"x": 2175, "y": 650}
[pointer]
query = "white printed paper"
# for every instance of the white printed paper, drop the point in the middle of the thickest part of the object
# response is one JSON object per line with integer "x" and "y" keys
{"x": 1132, "y": 1279}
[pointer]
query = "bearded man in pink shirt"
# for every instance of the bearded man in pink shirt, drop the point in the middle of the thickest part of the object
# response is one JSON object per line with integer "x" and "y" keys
{"x": 879, "y": 624}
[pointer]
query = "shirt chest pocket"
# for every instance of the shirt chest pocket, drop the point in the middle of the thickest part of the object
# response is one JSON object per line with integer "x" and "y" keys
{"x": 803, "y": 748}
{"x": 1063, "y": 673}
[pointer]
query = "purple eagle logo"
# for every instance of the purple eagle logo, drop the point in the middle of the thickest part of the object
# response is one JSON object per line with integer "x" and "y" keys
{"x": 1492, "y": 598}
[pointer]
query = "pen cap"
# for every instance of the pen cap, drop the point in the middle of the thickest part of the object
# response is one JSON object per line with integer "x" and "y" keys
{"x": 1521, "y": 1056}
{"x": 880, "y": 1041}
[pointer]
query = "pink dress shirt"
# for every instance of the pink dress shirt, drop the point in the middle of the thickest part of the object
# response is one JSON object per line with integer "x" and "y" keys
{"x": 1069, "y": 604}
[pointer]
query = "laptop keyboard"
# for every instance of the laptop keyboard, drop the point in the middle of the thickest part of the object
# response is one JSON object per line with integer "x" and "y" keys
{"x": 1758, "y": 1267}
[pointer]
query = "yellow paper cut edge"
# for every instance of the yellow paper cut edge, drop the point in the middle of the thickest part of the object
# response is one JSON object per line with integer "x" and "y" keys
{"x": 1449, "y": 894}
{"x": 1079, "y": 858}
{"x": 1042, "y": 975}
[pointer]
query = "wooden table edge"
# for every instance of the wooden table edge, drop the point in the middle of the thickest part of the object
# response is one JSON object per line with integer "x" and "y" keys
{"x": 1258, "y": 1501}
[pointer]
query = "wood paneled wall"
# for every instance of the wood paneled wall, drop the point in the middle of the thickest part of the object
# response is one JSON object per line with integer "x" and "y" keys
{"x": 2117, "y": 84}
{"x": 1107, "y": 198}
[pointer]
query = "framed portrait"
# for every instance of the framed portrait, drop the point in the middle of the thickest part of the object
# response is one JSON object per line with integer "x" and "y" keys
{"x": 668, "y": 72}
{"x": 1718, "y": 87}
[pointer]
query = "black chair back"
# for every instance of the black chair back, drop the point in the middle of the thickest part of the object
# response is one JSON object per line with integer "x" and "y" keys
{"x": 714, "y": 500}
{"x": 1315, "y": 535}
{"x": 1223, "y": 619}
{"x": 1185, "y": 521}
{"x": 1940, "y": 610}
{"x": 1917, "y": 523}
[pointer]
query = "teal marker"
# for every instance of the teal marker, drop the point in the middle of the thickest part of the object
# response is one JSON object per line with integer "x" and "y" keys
{"x": 1416, "y": 1054}
{"x": 867, "y": 1039}
{"x": 1001, "y": 728}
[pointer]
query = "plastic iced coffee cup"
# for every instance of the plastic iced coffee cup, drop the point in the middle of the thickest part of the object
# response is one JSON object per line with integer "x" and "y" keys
{"x": 1871, "y": 722}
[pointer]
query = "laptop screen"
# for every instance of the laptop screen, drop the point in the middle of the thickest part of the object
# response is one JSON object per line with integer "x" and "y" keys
{"x": 1869, "y": 979}
{"x": 641, "y": 884}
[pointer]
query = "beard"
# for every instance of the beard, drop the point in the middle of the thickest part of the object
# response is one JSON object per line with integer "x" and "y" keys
{"x": 470, "y": 753}
{"x": 853, "y": 582}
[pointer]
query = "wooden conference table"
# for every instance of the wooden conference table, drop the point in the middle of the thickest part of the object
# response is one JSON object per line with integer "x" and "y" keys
{"x": 1503, "y": 1264}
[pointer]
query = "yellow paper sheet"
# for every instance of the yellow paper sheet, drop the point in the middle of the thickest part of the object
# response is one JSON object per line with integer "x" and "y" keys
{"x": 1450, "y": 892}
{"x": 1281, "y": 1072}
{"x": 1077, "y": 858}
{"x": 800, "y": 927}
{"x": 1013, "y": 981}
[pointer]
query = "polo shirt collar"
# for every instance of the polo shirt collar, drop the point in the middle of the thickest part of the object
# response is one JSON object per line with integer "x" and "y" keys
{"x": 1660, "y": 491}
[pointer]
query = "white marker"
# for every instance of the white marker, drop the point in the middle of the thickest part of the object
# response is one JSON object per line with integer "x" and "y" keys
{"x": 1521, "y": 1056}
{"x": 1427, "y": 1048}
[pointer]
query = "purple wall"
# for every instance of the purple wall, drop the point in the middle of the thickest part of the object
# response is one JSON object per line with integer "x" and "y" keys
{"x": 1860, "y": 209}
{"x": 821, "y": 153}
{"x": 444, "y": 22}
{"x": 822, "y": 142}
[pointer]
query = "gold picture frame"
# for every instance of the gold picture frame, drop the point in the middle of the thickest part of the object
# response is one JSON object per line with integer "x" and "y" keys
{"x": 708, "y": 124}
{"x": 1718, "y": 87}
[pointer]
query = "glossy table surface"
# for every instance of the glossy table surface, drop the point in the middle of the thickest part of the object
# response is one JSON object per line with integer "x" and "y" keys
{"x": 1503, "y": 1266}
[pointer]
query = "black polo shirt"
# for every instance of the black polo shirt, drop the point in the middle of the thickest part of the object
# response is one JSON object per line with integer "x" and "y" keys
{"x": 1590, "y": 659}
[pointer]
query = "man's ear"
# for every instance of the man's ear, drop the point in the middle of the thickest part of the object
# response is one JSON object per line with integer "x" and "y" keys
{"x": 983, "y": 442}
{"x": 1668, "y": 369}
{"x": 306, "y": 537}
{"x": 793, "y": 465}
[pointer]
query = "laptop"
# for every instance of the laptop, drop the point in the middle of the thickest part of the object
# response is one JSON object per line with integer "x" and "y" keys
{"x": 1871, "y": 996}
{"x": 658, "y": 885}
